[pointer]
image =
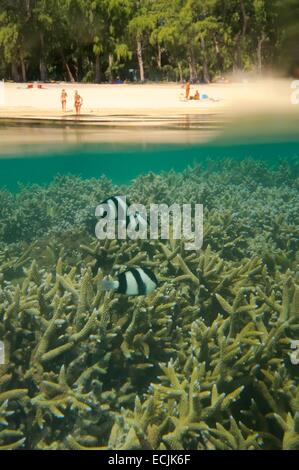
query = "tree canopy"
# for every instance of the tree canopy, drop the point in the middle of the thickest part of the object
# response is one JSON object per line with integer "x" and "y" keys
{"x": 106, "y": 40}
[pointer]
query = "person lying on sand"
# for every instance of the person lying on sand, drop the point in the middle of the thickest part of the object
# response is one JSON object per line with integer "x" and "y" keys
{"x": 63, "y": 100}
{"x": 208, "y": 98}
{"x": 78, "y": 103}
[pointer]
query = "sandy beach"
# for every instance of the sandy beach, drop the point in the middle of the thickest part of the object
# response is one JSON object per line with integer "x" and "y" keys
{"x": 127, "y": 101}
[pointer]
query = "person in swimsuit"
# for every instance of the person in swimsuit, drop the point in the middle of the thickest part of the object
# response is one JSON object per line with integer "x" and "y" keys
{"x": 63, "y": 100}
{"x": 196, "y": 96}
{"x": 78, "y": 103}
{"x": 188, "y": 86}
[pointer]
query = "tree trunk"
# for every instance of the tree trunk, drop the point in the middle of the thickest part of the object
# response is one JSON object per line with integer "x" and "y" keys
{"x": 140, "y": 60}
{"x": 205, "y": 73}
{"x": 180, "y": 72}
{"x": 43, "y": 71}
{"x": 70, "y": 76}
{"x": 28, "y": 8}
{"x": 69, "y": 72}
{"x": 218, "y": 55}
{"x": 110, "y": 59}
{"x": 15, "y": 72}
{"x": 192, "y": 66}
{"x": 245, "y": 19}
{"x": 240, "y": 40}
{"x": 238, "y": 54}
{"x": 42, "y": 65}
{"x": 216, "y": 43}
{"x": 98, "y": 69}
{"x": 159, "y": 56}
{"x": 259, "y": 53}
{"x": 23, "y": 68}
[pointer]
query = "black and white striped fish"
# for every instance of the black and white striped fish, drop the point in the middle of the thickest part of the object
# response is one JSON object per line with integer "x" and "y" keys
{"x": 133, "y": 281}
{"x": 117, "y": 209}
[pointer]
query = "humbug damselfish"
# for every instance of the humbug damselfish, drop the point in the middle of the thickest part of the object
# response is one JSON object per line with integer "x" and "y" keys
{"x": 117, "y": 209}
{"x": 133, "y": 281}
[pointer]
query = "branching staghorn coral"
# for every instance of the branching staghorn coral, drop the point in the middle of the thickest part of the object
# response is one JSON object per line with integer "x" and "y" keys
{"x": 204, "y": 362}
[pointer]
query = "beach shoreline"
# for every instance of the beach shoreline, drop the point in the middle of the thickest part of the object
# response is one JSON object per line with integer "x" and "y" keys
{"x": 148, "y": 100}
{"x": 144, "y": 113}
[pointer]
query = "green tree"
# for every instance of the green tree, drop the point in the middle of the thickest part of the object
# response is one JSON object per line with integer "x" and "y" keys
{"x": 195, "y": 29}
{"x": 14, "y": 36}
{"x": 118, "y": 13}
{"x": 97, "y": 39}
{"x": 94, "y": 14}
{"x": 44, "y": 28}
{"x": 264, "y": 31}
{"x": 140, "y": 28}
{"x": 287, "y": 21}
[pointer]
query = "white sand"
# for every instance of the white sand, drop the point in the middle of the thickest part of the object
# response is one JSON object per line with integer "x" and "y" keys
{"x": 271, "y": 96}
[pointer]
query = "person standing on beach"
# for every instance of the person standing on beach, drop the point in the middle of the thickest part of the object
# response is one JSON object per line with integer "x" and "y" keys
{"x": 63, "y": 100}
{"x": 187, "y": 88}
{"x": 78, "y": 103}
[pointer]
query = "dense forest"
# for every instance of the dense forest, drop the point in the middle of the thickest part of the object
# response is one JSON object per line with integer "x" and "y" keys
{"x": 105, "y": 40}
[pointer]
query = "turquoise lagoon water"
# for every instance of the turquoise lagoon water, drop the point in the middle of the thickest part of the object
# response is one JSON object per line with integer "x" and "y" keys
{"x": 121, "y": 163}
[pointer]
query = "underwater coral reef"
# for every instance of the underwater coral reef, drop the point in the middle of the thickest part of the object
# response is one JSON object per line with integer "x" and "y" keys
{"x": 201, "y": 363}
